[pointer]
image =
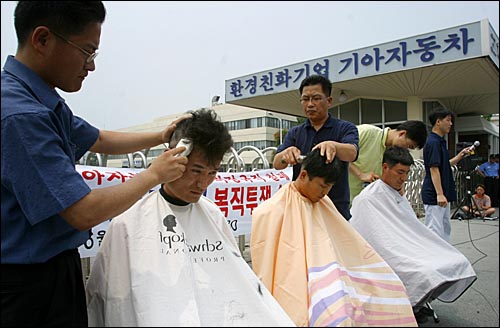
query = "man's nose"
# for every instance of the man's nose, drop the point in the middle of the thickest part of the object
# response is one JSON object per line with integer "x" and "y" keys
{"x": 203, "y": 182}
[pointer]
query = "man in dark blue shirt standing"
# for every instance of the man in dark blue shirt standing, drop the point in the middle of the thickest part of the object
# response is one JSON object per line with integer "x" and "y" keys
{"x": 438, "y": 188}
{"x": 47, "y": 208}
{"x": 334, "y": 138}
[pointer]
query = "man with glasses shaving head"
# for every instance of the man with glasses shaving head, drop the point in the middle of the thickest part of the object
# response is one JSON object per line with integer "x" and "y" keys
{"x": 47, "y": 208}
{"x": 334, "y": 137}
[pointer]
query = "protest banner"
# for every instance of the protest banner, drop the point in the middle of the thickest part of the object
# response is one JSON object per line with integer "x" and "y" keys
{"x": 235, "y": 193}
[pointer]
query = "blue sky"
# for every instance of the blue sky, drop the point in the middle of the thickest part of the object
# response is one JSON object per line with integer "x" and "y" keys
{"x": 162, "y": 58}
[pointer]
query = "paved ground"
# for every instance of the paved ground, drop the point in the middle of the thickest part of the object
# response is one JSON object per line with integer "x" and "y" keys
{"x": 478, "y": 306}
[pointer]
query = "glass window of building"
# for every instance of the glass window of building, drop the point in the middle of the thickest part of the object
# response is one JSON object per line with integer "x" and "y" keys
{"x": 371, "y": 111}
{"x": 272, "y": 122}
{"x": 289, "y": 124}
{"x": 379, "y": 112}
{"x": 395, "y": 111}
{"x": 350, "y": 112}
{"x": 334, "y": 111}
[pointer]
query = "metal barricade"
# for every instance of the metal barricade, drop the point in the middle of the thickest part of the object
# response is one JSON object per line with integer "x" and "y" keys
{"x": 94, "y": 159}
{"x": 142, "y": 163}
{"x": 413, "y": 185}
{"x": 260, "y": 157}
{"x": 235, "y": 163}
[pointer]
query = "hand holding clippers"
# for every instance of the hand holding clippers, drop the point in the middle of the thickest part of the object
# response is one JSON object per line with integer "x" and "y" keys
{"x": 299, "y": 159}
{"x": 186, "y": 143}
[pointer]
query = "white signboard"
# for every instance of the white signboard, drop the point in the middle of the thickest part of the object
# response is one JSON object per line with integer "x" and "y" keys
{"x": 444, "y": 46}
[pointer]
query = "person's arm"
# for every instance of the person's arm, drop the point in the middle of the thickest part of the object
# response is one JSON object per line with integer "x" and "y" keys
{"x": 436, "y": 181}
{"x": 105, "y": 203}
{"x": 114, "y": 143}
{"x": 363, "y": 176}
{"x": 487, "y": 203}
{"x": 461, "y": 155}
{"x": 477, "y": 170}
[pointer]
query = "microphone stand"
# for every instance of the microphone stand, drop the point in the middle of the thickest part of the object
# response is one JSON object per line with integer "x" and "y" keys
{"x": 466, "y": 201}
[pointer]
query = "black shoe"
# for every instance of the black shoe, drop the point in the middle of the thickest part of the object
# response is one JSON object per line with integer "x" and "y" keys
{"x": 423, "y": 314}
{"x": 421, "y": 317}
{"x": 427, "y": 311}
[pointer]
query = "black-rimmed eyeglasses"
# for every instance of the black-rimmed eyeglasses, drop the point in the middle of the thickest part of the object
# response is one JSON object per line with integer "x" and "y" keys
{"x": 91, "y": 56}
{"x": 314, "y": 99}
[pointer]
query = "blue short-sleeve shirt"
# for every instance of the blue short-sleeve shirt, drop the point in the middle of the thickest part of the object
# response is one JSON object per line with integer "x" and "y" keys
{"x": 305, "y": 137}
{"x": 436, "y": 155}
{"x": 489, "y": 169}
{"x": 41, "y": 141}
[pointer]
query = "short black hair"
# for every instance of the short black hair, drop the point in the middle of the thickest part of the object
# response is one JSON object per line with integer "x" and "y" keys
{"x": 415, "y": 130}
{"x": 481, "y": 185}
{"x": 440, "y": 113}
{"x": 65, "y": 17}
{"x": 208, "y": 134}
{"x": 326, "y": 85}
{"x": 397, "y": 155}
{"x": 315, "y": 166}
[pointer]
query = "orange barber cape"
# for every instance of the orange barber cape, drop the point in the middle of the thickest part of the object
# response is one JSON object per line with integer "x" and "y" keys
{"x": 321, "y": 271}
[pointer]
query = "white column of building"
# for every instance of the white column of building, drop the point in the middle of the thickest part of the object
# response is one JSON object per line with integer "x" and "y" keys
{"x": 415, "y": 111}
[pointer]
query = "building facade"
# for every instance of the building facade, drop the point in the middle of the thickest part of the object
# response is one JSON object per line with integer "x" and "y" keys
{"x": 396, "y": 81}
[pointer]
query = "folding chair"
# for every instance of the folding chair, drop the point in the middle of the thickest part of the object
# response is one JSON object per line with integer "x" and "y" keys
{"x": 426, "y": 311}
{"x": 434, "y": 315}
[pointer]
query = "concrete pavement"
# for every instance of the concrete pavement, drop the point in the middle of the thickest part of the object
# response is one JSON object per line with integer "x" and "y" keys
{"x": 478, "y": 306}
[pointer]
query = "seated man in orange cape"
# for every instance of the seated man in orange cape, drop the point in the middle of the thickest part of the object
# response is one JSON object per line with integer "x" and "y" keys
{"x": 320, "y": 270}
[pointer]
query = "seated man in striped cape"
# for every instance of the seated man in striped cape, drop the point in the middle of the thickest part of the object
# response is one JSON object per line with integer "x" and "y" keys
{"x": 321, "y": 271}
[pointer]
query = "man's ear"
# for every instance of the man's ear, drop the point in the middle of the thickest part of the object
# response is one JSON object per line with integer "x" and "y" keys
{"x": 385, "y": 167}
{"x": 402, "y": 133}
{"x": 303, "y": 174}
{"x": 39, "y": 39}
{"x": 40, "y": 35}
